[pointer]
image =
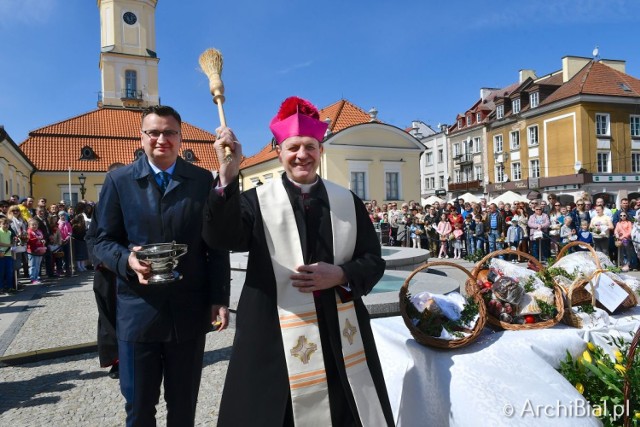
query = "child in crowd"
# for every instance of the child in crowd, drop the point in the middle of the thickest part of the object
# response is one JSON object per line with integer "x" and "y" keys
{"x": 444, "y": 230}
{"x": 514, "y": 236}
{"x": 36, "y": 248}
{"x": 584, "y": 235}
{"x": 6, "y": 257}
{"x": 458, "y": 234}
{"x": 478, "y": 235}
{"x": 469, "y": 230}
{"x": 414, "y": 232}
{"x": 567, "y": 232}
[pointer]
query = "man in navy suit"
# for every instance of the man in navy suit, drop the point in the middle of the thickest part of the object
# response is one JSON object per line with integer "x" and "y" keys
{"x": 161, "y": 328}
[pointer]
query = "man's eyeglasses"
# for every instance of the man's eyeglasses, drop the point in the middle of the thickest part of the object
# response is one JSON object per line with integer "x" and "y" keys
{"x": 155, "y": 134}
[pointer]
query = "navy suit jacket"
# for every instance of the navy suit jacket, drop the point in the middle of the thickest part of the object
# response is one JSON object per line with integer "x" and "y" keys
{"x": 133, "y": 211}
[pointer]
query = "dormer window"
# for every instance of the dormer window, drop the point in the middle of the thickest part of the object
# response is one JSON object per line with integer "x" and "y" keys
{"x": 516, "y": 106}
{"x": 500, "y": 112}
{"x": 87, "y": 153}
{"x": 189, "y": 156}
{"x": 469, "y": 120}
{"x": 138, "y": 153}
{"x": 460, "y": 123}
{"x": 478, "y": 117}
{"x": 534, "y": 99}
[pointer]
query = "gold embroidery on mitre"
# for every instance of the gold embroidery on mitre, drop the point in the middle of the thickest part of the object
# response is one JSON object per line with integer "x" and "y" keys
{"x": 304, "y": 349}
{"x": 349, "y": 331}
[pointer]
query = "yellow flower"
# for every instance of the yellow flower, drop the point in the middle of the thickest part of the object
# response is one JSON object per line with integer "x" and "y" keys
{"x": 590, "y": 346}
{"x": 618, "y": 356}
{"x": 597, "y": 411}
{"x": 637, "y": 415}
{"x": 586, "y": 356}
{"x": 620, "y": 368}
{"x": 580, "y": 388}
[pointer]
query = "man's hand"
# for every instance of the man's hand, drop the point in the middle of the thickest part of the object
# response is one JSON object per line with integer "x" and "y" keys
{"x": 228, "y": 170}
{"x": 219, "y": 317}
{"x": 319, "y": 276}
{"x": 142, "y": 270}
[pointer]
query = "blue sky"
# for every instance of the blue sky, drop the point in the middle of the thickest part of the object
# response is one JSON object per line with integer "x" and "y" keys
{"x": 413, "y": 59}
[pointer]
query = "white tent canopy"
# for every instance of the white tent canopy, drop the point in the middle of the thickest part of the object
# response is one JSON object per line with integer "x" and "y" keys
{"x": 432, "y": 199}
{"x": 510, "y": 197}
{"x": 468, "y": 197}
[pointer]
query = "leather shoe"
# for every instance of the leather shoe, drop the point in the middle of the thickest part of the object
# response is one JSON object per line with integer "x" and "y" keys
{"x": 114, "y": 372}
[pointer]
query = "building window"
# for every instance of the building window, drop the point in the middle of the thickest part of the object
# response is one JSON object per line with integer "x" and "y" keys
{"x": 478, "y": 173}
{"x": 497, "y": 144}
{"x": 604, "y": 161}
{"x": 456, "y": 175}
{"x": 456, "y": 150}
{"x": 392, "y": 182}
{"x": 634, "y": 124}
{"x": 429, "y": 158}
{"x": 441, "y": 181}
{"x": 534, "y": 99}
{"x": 602, "y": 124}
{"x": 499, "y": 112}
{"x": 478, "y": 117}
{"x": 460, "y": 124}
{"x": 516, "y": 171}
{"x": 469, "y": 120}
{"x": 426, "y": 183}
{"x": 532, "y": 135}
{"x": 357, "y": 184}
{"x": 534, "y": 168}
{"x": 131, "y": 84}
{"x": 477, "y": 147}
{"x": 500, "y": 173}
{"x": 635, "y": 162}
{"x": 432, "y": 182}
{"x": 440, "y": 155}
{"x": 516, "y": 106}
{"x": 514, "y": 140}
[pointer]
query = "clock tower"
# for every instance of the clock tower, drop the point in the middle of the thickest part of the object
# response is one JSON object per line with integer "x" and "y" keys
{"x": 128, "y": 60}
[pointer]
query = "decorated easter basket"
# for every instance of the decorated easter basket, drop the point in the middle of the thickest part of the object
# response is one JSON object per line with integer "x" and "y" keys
{"x": 626, "y": 390}
{"x": 481, "y": 271}
{"x": 577, "y": 293}
{"x": 431, "y": 341}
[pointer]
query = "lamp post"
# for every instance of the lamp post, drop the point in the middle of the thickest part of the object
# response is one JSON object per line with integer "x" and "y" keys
{"x": 82, "y": 180}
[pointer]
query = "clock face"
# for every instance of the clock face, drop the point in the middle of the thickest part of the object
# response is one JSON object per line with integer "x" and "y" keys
{"x": 130, "y": 18}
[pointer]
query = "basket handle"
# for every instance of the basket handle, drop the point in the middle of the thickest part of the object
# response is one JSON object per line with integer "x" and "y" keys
{"x": 627, "y": 383}
{"x": 405, "y": 286}
{"x": 490, "y": 255}
{"x": 566, "y": 247}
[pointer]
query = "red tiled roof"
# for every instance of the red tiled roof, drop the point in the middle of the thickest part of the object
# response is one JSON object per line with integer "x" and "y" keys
{"x": 343, "y": 114}
{"x": 112, "y": 134}
{"x": 596, "y": 78}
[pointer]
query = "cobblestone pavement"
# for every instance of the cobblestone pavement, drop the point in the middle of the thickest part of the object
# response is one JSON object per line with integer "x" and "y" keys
{"x": 74, "y": 390}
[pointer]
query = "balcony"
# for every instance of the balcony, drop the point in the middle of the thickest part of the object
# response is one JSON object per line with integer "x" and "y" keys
{"x": 131, "y": 94}
{"x": 463, "y": 159}
{"x": 466, "y": 186}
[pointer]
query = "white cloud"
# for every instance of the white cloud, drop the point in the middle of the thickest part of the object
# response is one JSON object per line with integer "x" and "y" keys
{"x": 295, "y": 67}
{"x": 26, "y": 11}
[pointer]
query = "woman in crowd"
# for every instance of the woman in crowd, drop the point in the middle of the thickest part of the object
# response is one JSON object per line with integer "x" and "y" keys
{"x": 557, "y": 220}
{"x": 622, "y": 233}
{"x": 579, "y": 214}
{"x": 601, "y": 227}
{"x": 19, "y": 226}
{"x": 64, "y": 226}
{"x": 538, "y": 228}
{"x": 520, "y": 217}
{"x": 79, "y": 230}
{"x": 56, "y": 244}
{"x": 444, "y": 229}
{"x": 36, "y": 248}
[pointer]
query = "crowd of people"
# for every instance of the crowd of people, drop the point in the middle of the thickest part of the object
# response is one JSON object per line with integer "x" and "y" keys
{"x": 539, "y": 227}
{"x": 38, "y": 240}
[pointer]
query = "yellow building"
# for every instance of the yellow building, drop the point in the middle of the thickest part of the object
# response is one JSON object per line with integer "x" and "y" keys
{"x": 373, "y": 159}
{"x": 15, "y": 168}
{"x": 72, "y": 157}
{"x": 572, "y": 131}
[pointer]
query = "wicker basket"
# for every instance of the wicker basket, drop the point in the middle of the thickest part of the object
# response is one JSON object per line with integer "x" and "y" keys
{"x": 627, "y": 383}
{"x": 479, "y": 270}
{"x": 577, "y": 293}
{"x": 429, "y": 340}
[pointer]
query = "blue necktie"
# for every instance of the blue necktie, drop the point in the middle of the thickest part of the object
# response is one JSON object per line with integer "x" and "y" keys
{"x": 164, "y": 180}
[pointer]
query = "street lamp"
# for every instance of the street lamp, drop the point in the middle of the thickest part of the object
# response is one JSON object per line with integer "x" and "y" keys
{"x": 82, "y": 180}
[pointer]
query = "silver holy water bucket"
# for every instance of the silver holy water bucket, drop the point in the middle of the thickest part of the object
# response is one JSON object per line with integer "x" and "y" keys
{"x": 162, "y": 258}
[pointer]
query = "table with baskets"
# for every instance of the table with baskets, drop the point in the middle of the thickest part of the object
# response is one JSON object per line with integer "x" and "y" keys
{"x": 502, "y": 376}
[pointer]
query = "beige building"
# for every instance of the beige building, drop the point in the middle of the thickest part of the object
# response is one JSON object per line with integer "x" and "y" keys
{"x": 373, "y": 159}
{"x": 15, "y": 168}
{"x": 572, "y": 131}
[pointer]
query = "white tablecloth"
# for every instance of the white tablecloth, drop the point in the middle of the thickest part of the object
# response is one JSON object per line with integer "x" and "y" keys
{"x": 511, "y": 372}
